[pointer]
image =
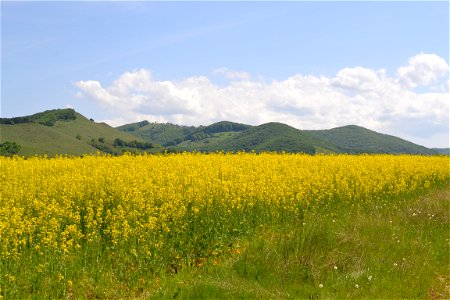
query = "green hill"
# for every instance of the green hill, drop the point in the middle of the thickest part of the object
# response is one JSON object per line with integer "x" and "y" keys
{"x": 445, "y": 151}
{"x": 163, "y": 134}
{"x": 274, "y": 137}
{"x": 63, "y": 131}
{"x": 355, "y": 139}
{"x": 225, "y": 126}
{"x": 183, "y": 137}
{"x": 230, "y": 136}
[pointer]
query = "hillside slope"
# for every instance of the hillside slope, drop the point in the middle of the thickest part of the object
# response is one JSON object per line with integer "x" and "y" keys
{"x": 276, "y": 137}
{"x": 39, "y": 139}
{"x": 230, "y": 136}
{"x": 184, "y": 137}
{"x": 444, "y": 151}
{"x": 68, "y": 133}
{"x": 64, "y": 131}
{"x": 355, "y": 139}
{"x": 164, "y": 134}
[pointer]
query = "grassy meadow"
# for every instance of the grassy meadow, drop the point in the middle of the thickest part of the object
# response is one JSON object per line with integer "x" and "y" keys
{"x": 62, "y": 131}
{"x": 221, "y": 225}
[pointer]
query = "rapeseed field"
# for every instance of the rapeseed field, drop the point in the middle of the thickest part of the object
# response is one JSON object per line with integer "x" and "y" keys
{"x": 144, "y": 215}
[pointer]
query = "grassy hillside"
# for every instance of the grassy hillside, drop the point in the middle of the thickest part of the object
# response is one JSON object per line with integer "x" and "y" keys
{"x": 52, "y": 133}
{"x": 275, "y": 137}
{"x": 225, "y": 126}
{"x": 355, "y": 139}
{"x": 48, "y": 117}
{"x": 445, "y": 151}
{"x": 163, "y": 134}
{"x": 184, "y": 137}
{"x": 64, "y": 131}
{"x": 39, "y": 139}
{"x": 230, "y": 136}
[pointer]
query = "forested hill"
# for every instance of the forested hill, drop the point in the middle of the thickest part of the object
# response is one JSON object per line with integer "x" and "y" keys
{"x": 64, "y": 131}
{"x": 355, "y": 139}
{"x": 229, "y": 136}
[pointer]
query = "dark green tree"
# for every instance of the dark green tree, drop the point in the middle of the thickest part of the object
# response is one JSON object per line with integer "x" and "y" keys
{"x": 9, "y": 148}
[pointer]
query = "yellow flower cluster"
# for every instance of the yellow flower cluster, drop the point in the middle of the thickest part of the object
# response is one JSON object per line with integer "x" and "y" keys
{"x": 173, "y": 205}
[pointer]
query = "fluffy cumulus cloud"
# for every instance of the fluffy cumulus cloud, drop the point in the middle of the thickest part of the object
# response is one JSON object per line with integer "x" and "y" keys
{"x": 356, "y": 95}
{"x": 422, "y": 69}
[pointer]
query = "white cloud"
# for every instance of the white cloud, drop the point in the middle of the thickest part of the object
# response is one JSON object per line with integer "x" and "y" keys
{"x": 423, "y": 69}
{"x": 357, "y": 95}
{"x": 358, "y": 79}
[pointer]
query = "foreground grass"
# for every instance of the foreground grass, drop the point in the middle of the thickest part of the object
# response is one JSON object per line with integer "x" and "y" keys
{"x": 389, "y": 250}
{"x": 393, "y": 250}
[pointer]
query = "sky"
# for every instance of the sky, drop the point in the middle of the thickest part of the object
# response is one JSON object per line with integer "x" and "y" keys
{"x": 311, "y": 65}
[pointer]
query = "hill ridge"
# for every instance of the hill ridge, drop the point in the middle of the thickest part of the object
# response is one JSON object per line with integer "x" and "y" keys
{"x": 65, "y": 131}
{"x": 341, "y": 139}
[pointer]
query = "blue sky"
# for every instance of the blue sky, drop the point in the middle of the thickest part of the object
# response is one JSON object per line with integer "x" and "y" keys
{"x": 382, "y": 65}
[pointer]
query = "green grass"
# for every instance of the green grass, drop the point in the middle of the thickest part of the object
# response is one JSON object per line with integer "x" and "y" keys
{"x": 392, "y": 249}
{"x": 73, "y": 137}
{"x": 40, "y": 139}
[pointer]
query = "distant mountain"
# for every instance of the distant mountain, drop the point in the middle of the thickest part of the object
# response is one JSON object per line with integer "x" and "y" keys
{"x": 170, "y": 135}
{"x": 445, "y": 151}
{"x": 64, "y": 131}
{"x": 163, "y": 134}
{"x": 230, "y": 136}
{"x": 271, "y": 137}
{"x": 355, "y": 139}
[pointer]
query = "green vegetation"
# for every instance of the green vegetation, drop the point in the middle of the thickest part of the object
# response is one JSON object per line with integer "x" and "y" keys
{"x": 275, "y": 137}
{"x": 397, "y": 249}
{"x": 133, "y": 144}
{"x": 183, "y": 137}
{"x": 134, "y": 126}
{"x": 63, "y": 125}
{"x": 354, "y": 139}
{"x": 445, "y": 151}
{"x": 267, "y": 137}
{"x": 230, "y": 136}
{"x": 225, "y": 126}
{"x": 162, "y": 134}
{"x": 225, "y": 226}
{"x": 68, "y": 135}
{"x": 9, "y": 148}
{"x": 48, "y": 117}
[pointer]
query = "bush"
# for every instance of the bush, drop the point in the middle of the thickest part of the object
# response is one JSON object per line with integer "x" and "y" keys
{"x": 133, "y": 144}
{"x": 9, "y": 148}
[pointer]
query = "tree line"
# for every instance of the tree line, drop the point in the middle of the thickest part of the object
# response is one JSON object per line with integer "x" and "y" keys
{"x": 133, "y": 144}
